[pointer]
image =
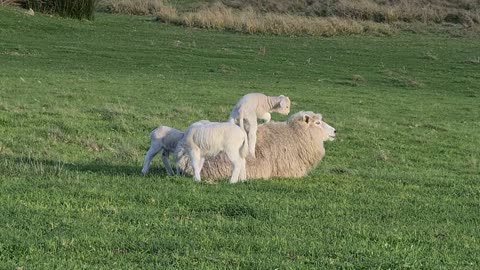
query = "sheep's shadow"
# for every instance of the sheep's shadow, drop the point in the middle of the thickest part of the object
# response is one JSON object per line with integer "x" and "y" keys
{"x": 100, "y": 167}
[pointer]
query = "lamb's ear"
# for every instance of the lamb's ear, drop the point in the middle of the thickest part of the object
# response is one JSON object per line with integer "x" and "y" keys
{"x": 283, "y": 103}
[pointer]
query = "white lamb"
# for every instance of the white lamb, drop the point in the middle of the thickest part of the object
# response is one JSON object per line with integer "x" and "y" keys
{"x": 201, "y": 141}
{"x": 253, "y": 106}
{"x": 164, "y": 139}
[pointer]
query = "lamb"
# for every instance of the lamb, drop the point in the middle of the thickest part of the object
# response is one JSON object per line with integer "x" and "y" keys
{"x": 284, "y": 149}
{"x": 253, "y": 106}
{"x": 164, "y": 140}
{"x": 203, "y": 141}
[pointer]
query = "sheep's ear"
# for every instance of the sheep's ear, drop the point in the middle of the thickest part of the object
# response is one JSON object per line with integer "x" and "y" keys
{"x": 307, "y": 119}
{"x": 283, "y": 103}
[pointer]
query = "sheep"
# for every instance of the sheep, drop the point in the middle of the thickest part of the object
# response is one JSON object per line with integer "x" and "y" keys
{"x": 203, "y": 141}
{"x": 164, "y": 139}
{"x": 284, "y": 149}
{"x": 253, "y": 106}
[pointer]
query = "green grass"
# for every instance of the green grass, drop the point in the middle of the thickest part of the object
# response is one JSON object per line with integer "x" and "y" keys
{"x": 399, "y": 189}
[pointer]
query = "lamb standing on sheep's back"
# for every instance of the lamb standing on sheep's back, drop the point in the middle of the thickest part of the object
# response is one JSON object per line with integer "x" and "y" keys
{"x": 253, "y": 106}
{"x": 284, "y": 149}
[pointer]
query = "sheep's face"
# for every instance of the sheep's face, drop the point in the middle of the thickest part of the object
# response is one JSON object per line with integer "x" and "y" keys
{"x": 329, "y": 132}
{"x": 316, "y": 126}
{"x": 283, "y": 106}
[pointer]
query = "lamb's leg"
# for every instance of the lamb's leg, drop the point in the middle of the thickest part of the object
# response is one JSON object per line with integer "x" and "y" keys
{"x": 235, "y": 172}
{"x": 195, "y": 161}
{"x": 252, "y": 136}
{"x": 166, "y": 162}
{"x": 236, "y": 161}
{"x": 243, "y": 171}
{"x": 151, "y": 153}
{"x": 202, "y": 161}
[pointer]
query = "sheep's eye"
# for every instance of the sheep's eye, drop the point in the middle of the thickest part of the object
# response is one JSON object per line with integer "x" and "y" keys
{"x": 318, "y": 123}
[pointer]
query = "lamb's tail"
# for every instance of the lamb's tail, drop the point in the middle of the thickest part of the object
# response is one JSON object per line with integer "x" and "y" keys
{"x": 244, "y": 147}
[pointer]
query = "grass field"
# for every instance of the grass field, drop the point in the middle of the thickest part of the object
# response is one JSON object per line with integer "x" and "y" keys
{"x": 399, "y": 188}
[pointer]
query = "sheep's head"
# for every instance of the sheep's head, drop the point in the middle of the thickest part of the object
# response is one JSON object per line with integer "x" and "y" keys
{"x": 283, "y": 105}
{"x": 314, "y": 124}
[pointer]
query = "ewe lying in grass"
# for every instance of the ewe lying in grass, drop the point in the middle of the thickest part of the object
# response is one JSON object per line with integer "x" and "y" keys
{"x": 284, "y": 149}
{"x": 253, "y": 106}
{"x": 201, "y": 141}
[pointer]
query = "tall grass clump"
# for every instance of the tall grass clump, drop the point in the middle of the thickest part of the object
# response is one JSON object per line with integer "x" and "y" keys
{"x": 78, "y": 9}
{"x": 250, "y": 21}
{"x": 465, "y": 12}
{"x": 245, "y": 19}
{"x": 10, "y": 2}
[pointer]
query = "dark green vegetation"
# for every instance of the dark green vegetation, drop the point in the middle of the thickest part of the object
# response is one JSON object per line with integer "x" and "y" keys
{"x": 398, "y": 189}
{"x": 79, "y": 9}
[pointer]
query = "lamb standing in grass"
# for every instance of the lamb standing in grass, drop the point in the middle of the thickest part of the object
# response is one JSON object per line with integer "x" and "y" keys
{"x": 284, "y": 149}
{"x": 253, "y": 106}
{"x": 208, "y": 140}
{"x": 164, "y": 140}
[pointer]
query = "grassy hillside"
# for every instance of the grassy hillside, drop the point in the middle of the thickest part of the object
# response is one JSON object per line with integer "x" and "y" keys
{"x": 398, "y": 189}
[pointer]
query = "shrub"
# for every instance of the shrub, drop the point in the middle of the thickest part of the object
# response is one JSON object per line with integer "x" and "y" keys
{"x": 78, "y": 9}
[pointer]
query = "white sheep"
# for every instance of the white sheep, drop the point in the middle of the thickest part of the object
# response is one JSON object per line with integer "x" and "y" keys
{"x": 284, "y": 149}
{"x": 164, "y": 140}
{"x": 253, "y": 106}
{"x": 203, "y": 141}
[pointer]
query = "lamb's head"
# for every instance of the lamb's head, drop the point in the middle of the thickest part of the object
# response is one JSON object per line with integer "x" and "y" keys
{"x": 313, "y": 123}
{"x": 283, "y": 105}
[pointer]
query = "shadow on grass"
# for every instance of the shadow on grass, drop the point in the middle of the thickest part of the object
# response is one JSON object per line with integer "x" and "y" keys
{"x": 32, "y": 166}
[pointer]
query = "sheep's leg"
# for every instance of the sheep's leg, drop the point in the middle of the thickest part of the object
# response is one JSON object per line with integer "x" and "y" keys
{"x": 235, "y": 159}
{"x": 202, "y": 161}
{"x": 252, "y": 137}
{"x": 243, "y": 171}
{"x": 195, "y": 161}
{"x": 151, "y": 153}
{"x": 166, "y": 162}
{"x": 235, "y": 172}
